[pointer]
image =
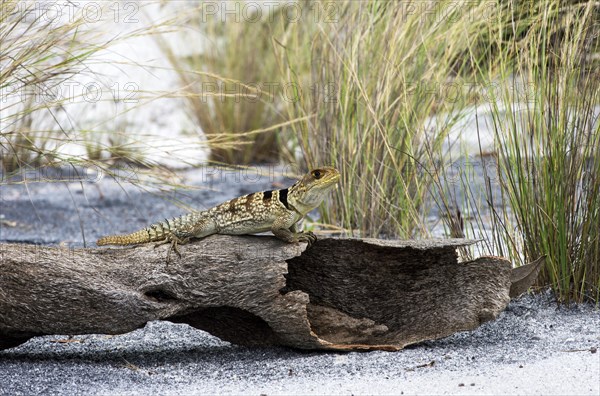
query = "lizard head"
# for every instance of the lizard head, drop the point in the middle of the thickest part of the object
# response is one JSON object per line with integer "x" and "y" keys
{"x": 311, "y": 190}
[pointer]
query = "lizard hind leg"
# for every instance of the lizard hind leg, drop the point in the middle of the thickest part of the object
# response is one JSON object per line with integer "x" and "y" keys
{"x": 190, "y": 226}
{"x": 175, "y": 240}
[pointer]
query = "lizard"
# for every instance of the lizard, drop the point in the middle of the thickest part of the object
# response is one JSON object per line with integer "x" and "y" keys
{"x": 278, "y": 211}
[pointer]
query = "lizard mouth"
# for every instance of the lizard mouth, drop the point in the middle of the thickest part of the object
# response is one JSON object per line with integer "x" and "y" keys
{"x": 333, "y": 176}
{"x": 332, "y": 181}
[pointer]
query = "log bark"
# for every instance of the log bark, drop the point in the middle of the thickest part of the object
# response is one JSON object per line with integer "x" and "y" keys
{"x": 341, "y": 294}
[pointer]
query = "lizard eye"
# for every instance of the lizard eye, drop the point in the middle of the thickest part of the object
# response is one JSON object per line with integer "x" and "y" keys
{"x": 317, "y": 174}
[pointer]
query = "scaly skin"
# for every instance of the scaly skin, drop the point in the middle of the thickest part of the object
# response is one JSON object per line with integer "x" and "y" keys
{"x": 277, "y": 211}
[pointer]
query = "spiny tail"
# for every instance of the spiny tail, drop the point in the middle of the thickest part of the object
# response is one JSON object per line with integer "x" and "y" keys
{"x": 141, "y": 236}
{"x": 156, "y": 232}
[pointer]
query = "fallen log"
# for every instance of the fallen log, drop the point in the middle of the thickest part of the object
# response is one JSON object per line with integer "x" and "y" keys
{"x": 341, "y": 294}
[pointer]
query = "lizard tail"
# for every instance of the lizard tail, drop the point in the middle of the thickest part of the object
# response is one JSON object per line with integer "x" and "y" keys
{"x": 141, "y": 236}
{"x": 156, "y": 232}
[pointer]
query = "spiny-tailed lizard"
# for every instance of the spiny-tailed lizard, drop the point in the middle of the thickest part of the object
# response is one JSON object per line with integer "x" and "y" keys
{"x": 277, "y": 211}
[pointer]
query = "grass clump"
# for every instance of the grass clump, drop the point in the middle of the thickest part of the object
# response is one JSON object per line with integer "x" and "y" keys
{"x": 374, "y": 75}
{"x": 230, "y": 82}
{"x": 48, "y": 54}
{"x": 541, "y": 190}
{"x": 38, "y": 54}
{"x": 43, "y": 50}
{"x": 549, "y": 150}
{"x": 373, "y": 79}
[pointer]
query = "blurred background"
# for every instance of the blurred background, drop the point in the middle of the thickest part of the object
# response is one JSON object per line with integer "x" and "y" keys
{"x": 474, "y": 119}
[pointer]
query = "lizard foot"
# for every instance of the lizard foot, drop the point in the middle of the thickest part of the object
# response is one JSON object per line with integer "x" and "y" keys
{"x": 308, "y": 237}
{"x": 175, "y": 241}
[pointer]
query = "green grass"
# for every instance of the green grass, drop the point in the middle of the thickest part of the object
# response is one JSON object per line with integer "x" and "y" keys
{"x": 543, "y": 180}
{"x": 549, "y": 155}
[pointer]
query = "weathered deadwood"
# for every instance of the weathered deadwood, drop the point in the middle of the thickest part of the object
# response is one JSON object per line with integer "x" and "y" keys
{"x": 341, "y": 294}
{"x": 524, "y": 276}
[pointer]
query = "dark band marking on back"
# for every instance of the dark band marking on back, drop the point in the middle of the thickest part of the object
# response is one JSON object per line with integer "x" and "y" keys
{"x": 283, "y": 198}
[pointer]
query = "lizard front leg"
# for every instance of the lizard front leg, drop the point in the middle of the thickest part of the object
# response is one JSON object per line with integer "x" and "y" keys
{"x": 285, "y": 228}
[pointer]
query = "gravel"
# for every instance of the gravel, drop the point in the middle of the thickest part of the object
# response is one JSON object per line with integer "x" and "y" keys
{"x": 534, "y": 347}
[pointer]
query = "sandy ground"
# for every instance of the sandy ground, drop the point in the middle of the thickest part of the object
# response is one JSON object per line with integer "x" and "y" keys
{"x": 534, "y": 347}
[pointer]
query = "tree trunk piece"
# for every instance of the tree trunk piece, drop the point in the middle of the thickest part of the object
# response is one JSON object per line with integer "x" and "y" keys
{"x": 341, "y": 294}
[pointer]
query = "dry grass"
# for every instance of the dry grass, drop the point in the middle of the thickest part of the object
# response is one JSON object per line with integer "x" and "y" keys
{"x": 373, "y": 74}
{"x": 43, "y": 57}
{"x": 231, "y": 85}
